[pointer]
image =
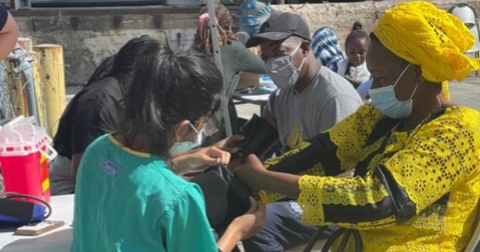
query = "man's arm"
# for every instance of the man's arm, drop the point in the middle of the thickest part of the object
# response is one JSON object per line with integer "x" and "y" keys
{"x": 269, "y": 118}
{"x": 8, "y": 34}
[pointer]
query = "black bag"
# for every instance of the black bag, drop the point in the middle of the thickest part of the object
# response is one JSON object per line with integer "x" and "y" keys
{"x": 225, "y": 195}
{"x": 260, "y": 136}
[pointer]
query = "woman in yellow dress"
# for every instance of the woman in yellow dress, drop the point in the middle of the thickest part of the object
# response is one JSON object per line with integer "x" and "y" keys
{"x": 415, "y": 156}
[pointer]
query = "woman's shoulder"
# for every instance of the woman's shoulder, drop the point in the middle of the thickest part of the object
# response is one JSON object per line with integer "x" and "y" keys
{"x": 460, "y": 113}
{"x": 456, "y": 120}
{"x": 464, "y": 115}
{"x": 108, "y": 87}
{"x": 234, "y": 46}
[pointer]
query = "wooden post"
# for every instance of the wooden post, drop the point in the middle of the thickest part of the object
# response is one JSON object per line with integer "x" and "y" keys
{"x": 52, "y": 75}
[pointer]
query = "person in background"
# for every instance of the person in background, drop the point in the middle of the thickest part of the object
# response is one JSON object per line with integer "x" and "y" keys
{"x": 236, "y": 58}
{"x": 326, "y": 48}
{"x": 127, "y": 197}
{"x": 416, "y": 156}
{"x": 310, "y": 99}
{"x": 354, "y": 67}
{"x": 94, "y": 111}
{"x": 8, "y": 32}
{"x": 252, "y": 15}
{"x": 363, "y": 89}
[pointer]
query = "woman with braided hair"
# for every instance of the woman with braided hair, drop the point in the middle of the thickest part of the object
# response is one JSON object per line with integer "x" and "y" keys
{"x": 225, "y": 34}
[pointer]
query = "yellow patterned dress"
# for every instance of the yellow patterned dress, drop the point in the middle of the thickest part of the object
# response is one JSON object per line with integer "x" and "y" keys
{"x": 411, "y": 191}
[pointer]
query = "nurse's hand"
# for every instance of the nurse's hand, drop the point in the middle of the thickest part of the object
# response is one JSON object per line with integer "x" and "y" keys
{"x": 252, "y": 221}
{"x": 243, "y": 227}
{"x": 230, "y": 143}
{"x": 199, "y": 159}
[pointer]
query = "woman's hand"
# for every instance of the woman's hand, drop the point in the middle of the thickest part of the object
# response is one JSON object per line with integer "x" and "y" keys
{"x": 255, "y": 176}
{"x": 200, "y": 159}
{"x": 252, "y": 172}
{"x": 235, "y": 162}
{"x": 230, "y": 143}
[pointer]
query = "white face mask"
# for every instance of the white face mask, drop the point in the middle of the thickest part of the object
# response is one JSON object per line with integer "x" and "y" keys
{"x": 282, "y": 71}
{"x": 384, "y": 99}
{"x": 184, "y": 146}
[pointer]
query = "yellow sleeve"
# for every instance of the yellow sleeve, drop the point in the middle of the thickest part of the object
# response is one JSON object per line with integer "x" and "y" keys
{"x": 436, "y": 158}
{"x": 351, "y": 135}
{"x": 329, "y": 153}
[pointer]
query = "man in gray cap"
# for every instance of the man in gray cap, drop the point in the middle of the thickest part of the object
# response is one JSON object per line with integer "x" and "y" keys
{"x": 309, "y": 99}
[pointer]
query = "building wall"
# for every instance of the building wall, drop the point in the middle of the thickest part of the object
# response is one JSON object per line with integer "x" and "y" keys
{"x": 341, "y": 16}
{"x": 90, "y": 34}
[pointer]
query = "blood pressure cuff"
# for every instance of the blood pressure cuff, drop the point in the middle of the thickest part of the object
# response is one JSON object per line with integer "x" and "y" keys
{"x": 259, "y": 135}
{"x": 225, "y": 195}
{"x": 18, "y": 213}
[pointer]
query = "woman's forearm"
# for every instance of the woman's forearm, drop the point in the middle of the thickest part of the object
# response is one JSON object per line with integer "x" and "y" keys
{"x": 283, "y": 183}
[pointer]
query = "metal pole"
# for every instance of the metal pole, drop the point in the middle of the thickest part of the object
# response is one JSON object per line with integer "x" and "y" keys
{"x": 25, "y": 68}
{"x": 218, "y": 61}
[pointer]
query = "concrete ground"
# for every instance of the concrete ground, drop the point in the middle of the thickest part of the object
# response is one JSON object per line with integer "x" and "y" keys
{"x": 466, "y": 93}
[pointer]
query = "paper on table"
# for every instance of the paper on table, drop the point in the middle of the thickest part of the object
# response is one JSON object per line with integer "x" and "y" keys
{"x": 256, "y": 97}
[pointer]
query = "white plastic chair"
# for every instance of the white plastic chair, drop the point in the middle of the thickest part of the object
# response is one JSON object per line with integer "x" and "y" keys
{"x": 468, "y": 15}
{"x": 465, "y": 13}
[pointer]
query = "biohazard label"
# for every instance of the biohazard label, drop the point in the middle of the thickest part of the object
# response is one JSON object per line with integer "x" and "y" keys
{"x": 44, "y": 173}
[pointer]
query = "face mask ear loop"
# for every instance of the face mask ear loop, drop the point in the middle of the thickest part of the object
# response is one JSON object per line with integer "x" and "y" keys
{"x": 413, "y": 91}
{"x": 303, "y": 58}
{"x": 401, "y": 75}
{"x": 193, "y": 127}
{"x": 303, "y": 61}
{"x": 296, "y": 48}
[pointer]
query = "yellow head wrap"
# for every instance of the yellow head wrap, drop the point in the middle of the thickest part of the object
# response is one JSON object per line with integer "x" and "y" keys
{"x": 425, "y": 35}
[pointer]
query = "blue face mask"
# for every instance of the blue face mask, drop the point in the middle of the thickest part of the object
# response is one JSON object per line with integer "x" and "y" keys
{"x": 184, "y": 146}
{"x": 384, "y": 99}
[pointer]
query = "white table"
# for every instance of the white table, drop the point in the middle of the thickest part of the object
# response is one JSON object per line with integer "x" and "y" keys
{"x": 57, "y": 240}
{"x": 257, "y": 99}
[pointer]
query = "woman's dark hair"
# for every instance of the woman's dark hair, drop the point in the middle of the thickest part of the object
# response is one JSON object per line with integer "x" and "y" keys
{"x": 168, "y": 87}
{"x": 121, "y": 64}
{"x": 356, "y": 32}
{"x": 203, "y": 41}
